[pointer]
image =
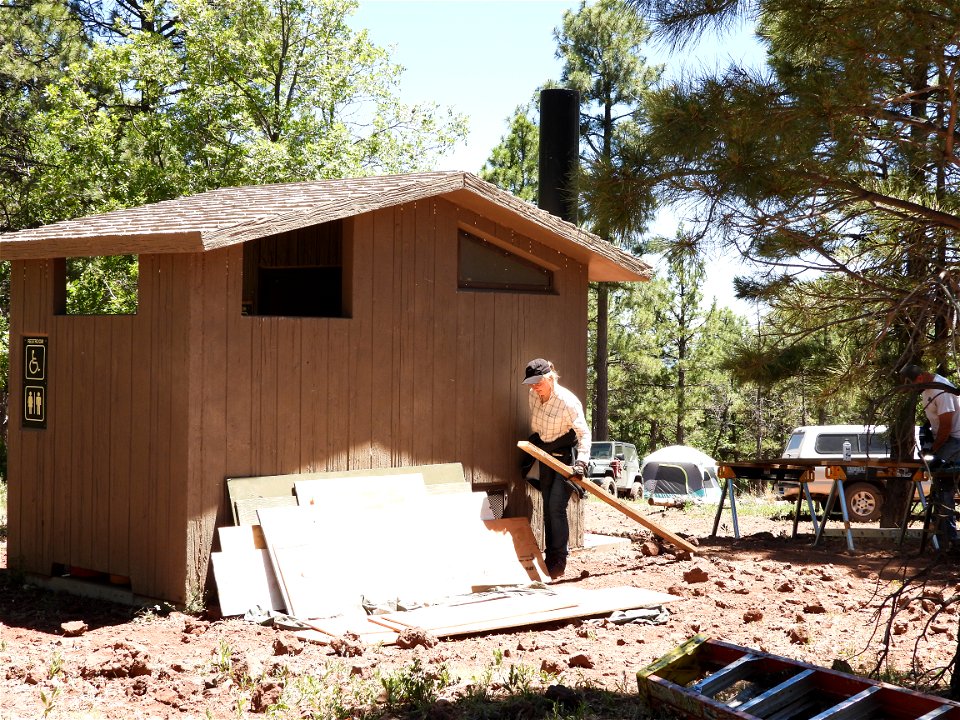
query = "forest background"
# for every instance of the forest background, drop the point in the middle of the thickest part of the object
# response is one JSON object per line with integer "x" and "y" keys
{"x": 832, "y": 170}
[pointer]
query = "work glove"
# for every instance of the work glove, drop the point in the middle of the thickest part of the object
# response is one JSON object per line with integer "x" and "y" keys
{"x": 580, "y": 468}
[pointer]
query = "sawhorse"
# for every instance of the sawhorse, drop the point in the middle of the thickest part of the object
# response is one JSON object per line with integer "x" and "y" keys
{"x": 727, "y": 475}
{"x": 916, "y": 488}
{"x": 838, "y": 475}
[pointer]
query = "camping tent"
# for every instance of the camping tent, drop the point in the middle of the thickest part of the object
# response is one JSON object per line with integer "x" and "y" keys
{"x": 682, "y": 472}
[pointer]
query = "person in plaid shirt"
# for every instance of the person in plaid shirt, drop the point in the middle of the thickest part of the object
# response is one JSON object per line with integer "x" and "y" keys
{"x": 560, "y": 428}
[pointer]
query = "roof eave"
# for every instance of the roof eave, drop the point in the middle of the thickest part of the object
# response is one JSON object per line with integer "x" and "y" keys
{"x": 14, "y": 248}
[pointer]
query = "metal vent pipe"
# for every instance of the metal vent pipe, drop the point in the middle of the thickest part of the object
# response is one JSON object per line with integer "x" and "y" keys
{"x": 559, "y": 152}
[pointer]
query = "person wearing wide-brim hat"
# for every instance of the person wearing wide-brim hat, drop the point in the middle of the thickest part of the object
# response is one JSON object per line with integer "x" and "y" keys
{"x": 560, "y": 428}
{"x": 942, "y": 409}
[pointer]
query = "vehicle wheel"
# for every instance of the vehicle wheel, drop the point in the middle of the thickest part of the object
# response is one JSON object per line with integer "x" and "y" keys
{"x": 636, "y": 491}
{"x": 864, "y": 502}
{"x": 611, "y": 488}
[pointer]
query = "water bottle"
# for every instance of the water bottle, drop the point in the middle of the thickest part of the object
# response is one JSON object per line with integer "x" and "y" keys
{"x": 847, "y": 450}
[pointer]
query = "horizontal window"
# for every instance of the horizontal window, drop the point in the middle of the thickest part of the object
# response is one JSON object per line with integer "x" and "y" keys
{"x": 485, "y": 266}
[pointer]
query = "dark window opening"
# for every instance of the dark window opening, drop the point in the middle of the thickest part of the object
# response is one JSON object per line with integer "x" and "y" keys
{"x": 100, "y": 285}
{"x": 485, "y": 266}
{"x": 296, "y": 274}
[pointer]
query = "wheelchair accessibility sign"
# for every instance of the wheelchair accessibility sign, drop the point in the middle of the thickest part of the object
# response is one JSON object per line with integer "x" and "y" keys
{"x": 35, "y": 382}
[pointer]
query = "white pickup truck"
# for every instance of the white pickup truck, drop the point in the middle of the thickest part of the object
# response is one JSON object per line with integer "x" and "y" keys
{"x": 864, "y": 493}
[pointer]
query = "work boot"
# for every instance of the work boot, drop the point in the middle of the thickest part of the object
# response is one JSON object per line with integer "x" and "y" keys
{"x": 556, "y": 570}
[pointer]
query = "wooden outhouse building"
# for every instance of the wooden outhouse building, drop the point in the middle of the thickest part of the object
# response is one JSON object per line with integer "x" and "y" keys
{"x": 303, "y": 327}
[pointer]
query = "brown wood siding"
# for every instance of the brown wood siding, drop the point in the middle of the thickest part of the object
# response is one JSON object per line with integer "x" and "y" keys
{"x": 151, "y": 413}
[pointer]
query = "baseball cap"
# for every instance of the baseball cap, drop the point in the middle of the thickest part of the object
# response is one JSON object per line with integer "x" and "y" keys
{"x": 536, "y": 371}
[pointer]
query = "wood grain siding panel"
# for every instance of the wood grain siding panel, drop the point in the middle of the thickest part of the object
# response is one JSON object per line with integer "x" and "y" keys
{"x": 183, "y": 393}
{"x": 208, "y": 426}
{"x": 486, "y": 388}
{"x": 121, "y": 405}
{"x": 101, "y": 421}
{"x": 466, "y": 381}
{"x": 425, "y": 353}
{"x": 27, "y": 465}
{"x": 265, "y": 386}
{"x": 506, "y": 381}
{"x": 313, "y": 399}
{"x": 358, "y": 233}
{"x": 16, "y": 471}
{"x": 84, "y": 383}
{"x": 378, "y": 229}
{"x": 288, "y": 369}
{"x": 338, "y": 406}
{"x": 400, "y": 314}
{"x": 61, "y": 423}
{"x": 239, "y": 371}
{"x": 158, "y": 441}
{"x": 448, "y": 352}
{"x": 142, "y": 424}
{"x": 407, "y": 380}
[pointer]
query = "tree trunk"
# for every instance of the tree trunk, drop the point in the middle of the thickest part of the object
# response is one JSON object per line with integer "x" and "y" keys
{"x": 601, "y": 406}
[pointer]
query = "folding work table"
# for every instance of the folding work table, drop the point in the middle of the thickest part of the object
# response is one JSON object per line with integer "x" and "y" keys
{"x": 802, "y": 472}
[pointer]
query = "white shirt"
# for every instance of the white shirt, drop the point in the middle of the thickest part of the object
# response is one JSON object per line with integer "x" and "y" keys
{"x": 938, "y": 402}
{"x": 557, "y": 415}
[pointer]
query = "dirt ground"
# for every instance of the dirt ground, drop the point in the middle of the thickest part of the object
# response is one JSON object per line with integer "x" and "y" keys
{"x": 767, "y": 590}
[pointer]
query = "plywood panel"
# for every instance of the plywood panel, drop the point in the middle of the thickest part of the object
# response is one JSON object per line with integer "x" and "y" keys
{"x": 237, "y": 538}
{"x": 246, "y": 509}
{"x": 413, "y": 565}
{"x": 245, "y": 580}
{"x": 374, "y": 491}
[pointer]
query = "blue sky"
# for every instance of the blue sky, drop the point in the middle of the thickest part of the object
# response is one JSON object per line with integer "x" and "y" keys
{"x": 486, "y": 57}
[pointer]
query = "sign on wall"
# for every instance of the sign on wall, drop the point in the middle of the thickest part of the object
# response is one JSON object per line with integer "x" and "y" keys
{"x": 35, "y": 382}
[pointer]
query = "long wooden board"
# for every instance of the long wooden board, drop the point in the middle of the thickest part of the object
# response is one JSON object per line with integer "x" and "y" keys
{"x": 567, "y": 472}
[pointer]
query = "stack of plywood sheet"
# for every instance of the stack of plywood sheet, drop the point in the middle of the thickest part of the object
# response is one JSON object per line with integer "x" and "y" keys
{"x": 349, "y": 544}
{"x": 343, "y": 541}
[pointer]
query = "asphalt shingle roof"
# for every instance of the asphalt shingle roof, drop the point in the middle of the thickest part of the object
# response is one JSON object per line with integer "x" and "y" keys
{"x": 227, "y": 216}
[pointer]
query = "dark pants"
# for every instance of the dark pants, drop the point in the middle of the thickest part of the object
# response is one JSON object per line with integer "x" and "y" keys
{"x": 555, "y": 491}
{"x": 556, "y": 529}
{"x": 942, "y": 491}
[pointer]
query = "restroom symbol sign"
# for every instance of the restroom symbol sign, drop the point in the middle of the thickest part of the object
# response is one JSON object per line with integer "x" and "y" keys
{"x": 35, "y": 359}
{"x": 34, "y": 382}
{"x": 34, "y": 403}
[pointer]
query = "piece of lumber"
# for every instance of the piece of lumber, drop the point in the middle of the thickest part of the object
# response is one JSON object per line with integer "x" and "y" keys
{"x": 565, "y": 470}
{"x": 525, "y": 544}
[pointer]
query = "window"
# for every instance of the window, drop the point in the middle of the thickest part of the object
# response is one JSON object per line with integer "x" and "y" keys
{"x": 296, "y": 274}
{"x": 101, "y": 285}
{"x": 601, "y": 451}
{"x": 485, "y": 266}
{"x": 794, "y": 442}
